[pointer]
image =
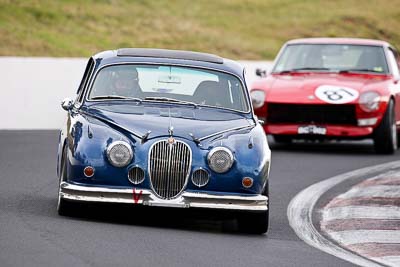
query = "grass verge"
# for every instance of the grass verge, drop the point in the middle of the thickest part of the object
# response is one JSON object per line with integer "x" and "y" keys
{"x": 239, "y": 29}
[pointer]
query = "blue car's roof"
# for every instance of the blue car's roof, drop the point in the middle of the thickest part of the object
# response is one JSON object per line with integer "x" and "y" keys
{"x": 164, "y": 56}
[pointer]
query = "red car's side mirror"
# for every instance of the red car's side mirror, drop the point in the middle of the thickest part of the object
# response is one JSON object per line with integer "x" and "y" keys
{"x": 261, "y": 72}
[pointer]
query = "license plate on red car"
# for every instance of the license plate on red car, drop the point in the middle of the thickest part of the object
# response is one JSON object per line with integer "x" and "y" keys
{"x": 311, "y": 129}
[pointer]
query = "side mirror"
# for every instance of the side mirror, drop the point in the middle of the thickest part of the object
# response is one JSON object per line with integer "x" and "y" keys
{"x": 261, "y": 72}
{"x": 67, "y": 104}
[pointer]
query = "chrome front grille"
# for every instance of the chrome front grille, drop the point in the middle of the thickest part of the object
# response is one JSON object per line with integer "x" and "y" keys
{"x": 169, "y": 167}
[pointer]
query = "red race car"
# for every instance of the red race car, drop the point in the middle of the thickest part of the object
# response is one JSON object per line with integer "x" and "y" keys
{"x": 332, "y": 88}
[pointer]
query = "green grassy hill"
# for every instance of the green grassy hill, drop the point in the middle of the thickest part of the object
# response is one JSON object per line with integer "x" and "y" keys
{"x": 239, "y": 29}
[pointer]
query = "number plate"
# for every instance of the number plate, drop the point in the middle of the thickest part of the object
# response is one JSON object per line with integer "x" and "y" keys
{"x": 311, "y": 129}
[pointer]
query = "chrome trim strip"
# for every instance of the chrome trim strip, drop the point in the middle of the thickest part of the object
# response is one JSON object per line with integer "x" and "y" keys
{"x": 88, "y": 82}
{"x": 227, "y": 197}
{"x": 227, "y": 130}
{"x": 185, "y": 200}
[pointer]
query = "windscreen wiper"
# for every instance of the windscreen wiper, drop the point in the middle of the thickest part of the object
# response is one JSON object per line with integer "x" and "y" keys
{"x": 100, "y": 97}
{"x": 172, "y": 100}
{"x": 359, "y": 70}
{"x": 302, "y": 69}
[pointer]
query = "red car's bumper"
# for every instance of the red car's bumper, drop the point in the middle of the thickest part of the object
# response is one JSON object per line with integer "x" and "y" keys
{"x": 331, "y": 130}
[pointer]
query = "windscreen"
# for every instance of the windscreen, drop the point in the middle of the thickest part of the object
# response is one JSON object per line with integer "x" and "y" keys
{"x": 332, "y": 57}
{"x": 171, "y": 84}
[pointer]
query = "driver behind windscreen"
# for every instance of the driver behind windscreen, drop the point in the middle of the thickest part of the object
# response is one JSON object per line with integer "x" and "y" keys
{"x": 125, "y": 82}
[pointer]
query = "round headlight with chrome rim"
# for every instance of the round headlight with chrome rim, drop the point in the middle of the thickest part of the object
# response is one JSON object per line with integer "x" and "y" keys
{"x": 119, "y": 153}
{"x": 220, "y": 159}
{"x": 369, "y": 101}
{"x": 257, "y": 98}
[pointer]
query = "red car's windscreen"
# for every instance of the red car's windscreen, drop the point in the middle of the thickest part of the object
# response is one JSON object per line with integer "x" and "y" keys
{"x": 332, "y": 57}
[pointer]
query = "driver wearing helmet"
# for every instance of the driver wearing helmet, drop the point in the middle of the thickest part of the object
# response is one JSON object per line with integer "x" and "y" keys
{"x": 125, "y": 82}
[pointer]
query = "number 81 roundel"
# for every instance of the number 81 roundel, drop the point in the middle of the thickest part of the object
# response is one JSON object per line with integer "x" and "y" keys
{"x": 336, "y": 94}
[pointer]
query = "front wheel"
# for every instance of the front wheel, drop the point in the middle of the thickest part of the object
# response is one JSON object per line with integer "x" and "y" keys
{"x": 64, "y": 207}
{"x": 385, "y": 136}
{"x": 255, "y": 222}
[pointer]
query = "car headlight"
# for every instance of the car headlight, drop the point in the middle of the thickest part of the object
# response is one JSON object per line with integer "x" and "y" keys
{"x": 119, "y": 153}
{"x": 220, "y": 159}
{"x": 369, "y": 101}
{"x": 257, "y": 98}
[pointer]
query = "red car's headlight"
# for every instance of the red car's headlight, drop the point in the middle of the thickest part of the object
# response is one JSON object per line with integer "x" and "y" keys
{"x": 369, "y": 101}
{"x": 257, "y": 98}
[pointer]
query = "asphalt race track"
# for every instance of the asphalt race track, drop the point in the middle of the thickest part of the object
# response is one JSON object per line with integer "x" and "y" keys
{"x": 32, "y": 234}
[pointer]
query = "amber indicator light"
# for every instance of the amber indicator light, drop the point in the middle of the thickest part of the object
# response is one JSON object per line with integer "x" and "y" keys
{"x": 247, "y": 182}
{"x": 88, "y": 171}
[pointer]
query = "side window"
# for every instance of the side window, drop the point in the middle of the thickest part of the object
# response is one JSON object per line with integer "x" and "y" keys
{"x": 394, "y": 62}
{"x": 84, "y": 81}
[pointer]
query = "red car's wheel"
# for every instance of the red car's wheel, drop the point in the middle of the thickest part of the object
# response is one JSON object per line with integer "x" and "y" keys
{"x": 282, "y": 139}
{"x": 385, "y": 136}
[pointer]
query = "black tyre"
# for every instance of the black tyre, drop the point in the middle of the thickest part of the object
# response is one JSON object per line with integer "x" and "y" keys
{"x": 64, "y": 207}
{"x": 385, "y": 136}
{"x": 255, "y": 222}
{"x": 282, "y": 139}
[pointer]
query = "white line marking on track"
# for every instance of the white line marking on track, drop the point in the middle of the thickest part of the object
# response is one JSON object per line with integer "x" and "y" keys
{"x": 372, "y": 191}
{"x": 363, "y": 236}
{"x": 300, "y": 210}
{"x": 361, "y": 212}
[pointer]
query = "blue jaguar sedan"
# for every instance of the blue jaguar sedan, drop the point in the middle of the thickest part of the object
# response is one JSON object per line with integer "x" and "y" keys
{"x": 164, "y": 128}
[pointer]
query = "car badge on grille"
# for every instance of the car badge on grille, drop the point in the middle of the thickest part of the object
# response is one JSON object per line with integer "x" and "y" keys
{"x": 171, "y": 141}
{"x": 171, "y": 130}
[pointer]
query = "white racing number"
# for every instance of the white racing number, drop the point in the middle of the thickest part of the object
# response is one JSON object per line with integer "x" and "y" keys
{"x": 336, "y": 94}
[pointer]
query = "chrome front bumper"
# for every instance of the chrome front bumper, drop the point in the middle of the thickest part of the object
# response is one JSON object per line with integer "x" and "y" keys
{"x": 146, "y": 197}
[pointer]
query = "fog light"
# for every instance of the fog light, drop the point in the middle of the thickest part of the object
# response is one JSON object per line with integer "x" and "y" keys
{"x": 247, "y": 182}
{"x": 136, "y": 175}
{"x": 88, "y": 171}
{"x": 367, "y": 122}
{"x": 200, "y": 177}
